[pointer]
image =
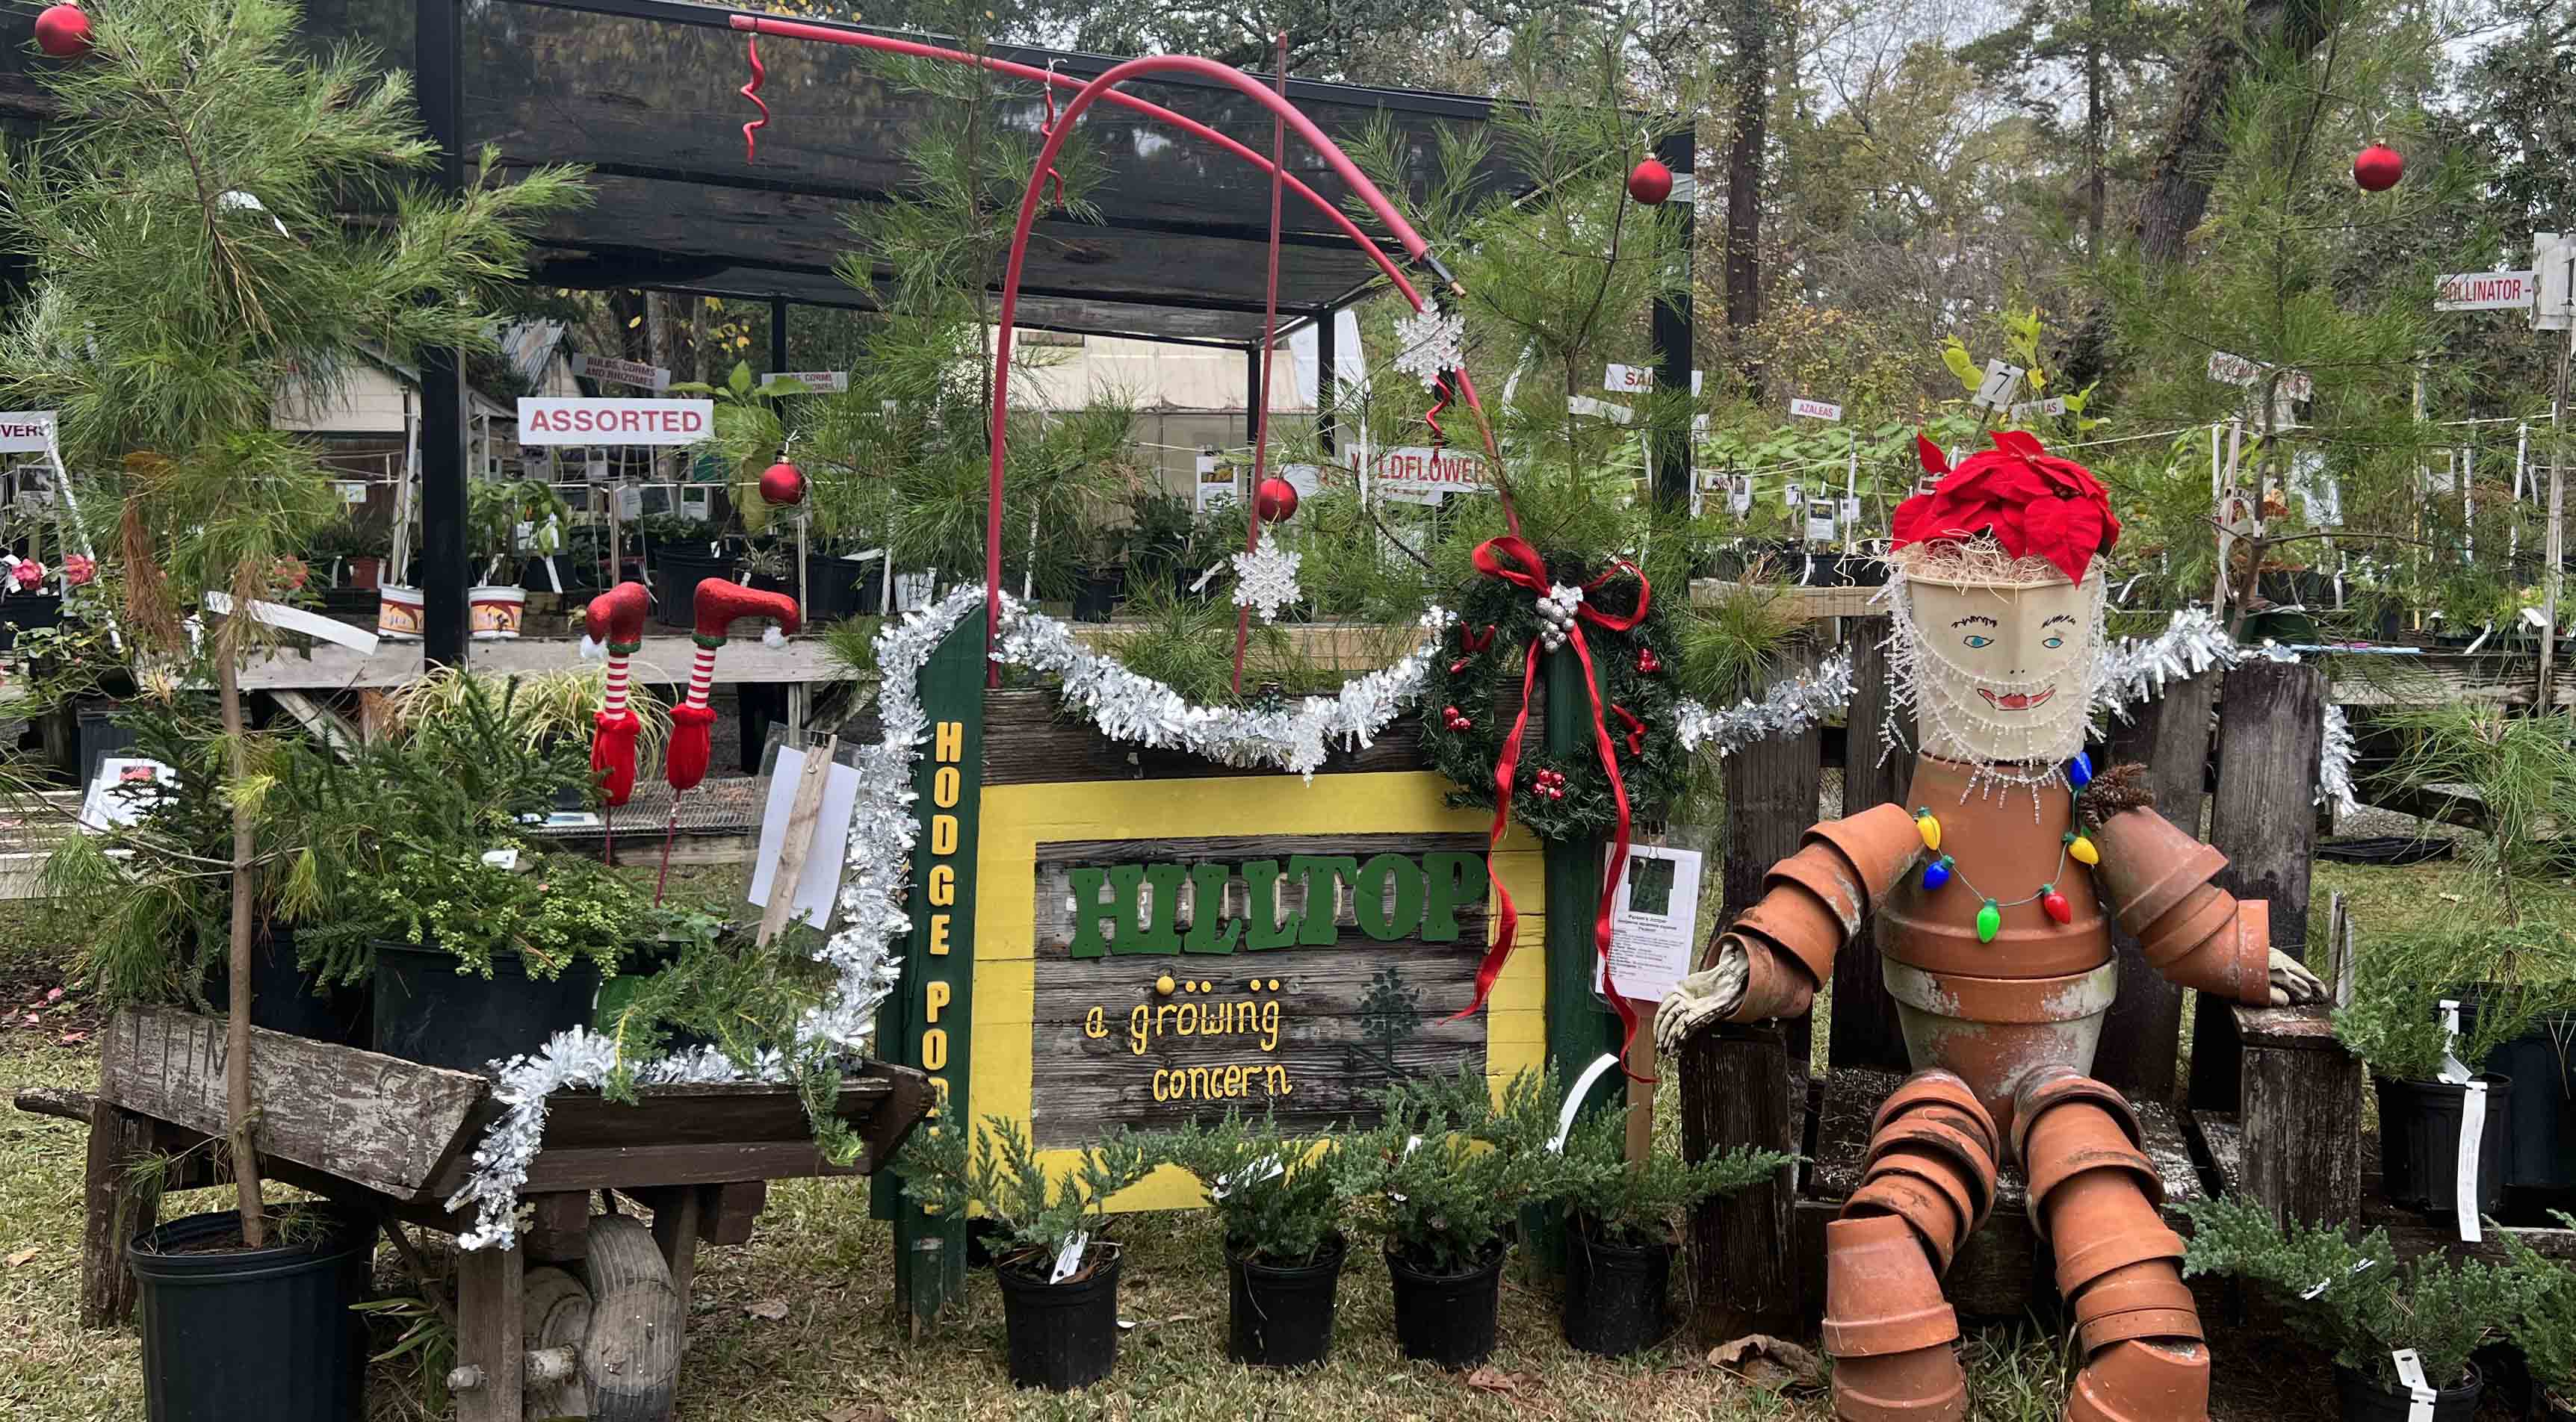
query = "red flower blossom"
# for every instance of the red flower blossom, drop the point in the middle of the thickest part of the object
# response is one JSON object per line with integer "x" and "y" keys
{"x": 2033, "y": 503}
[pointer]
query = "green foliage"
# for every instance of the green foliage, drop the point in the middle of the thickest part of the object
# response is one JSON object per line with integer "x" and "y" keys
{"x": 2443, "y": 1309}
{"x": 495, "y": 508}
{"x": 1731, "y": 642}
{"x": 998, "y": 1176}
{"x": 1640, "y": 1203}
{"x": 2520, "y": 771}
{"x": 2509, "y": 977}
{"x": 1279, "y": 1198}
{"x": 2545, "y": 1331}
{"x": 1443, "y": 1176}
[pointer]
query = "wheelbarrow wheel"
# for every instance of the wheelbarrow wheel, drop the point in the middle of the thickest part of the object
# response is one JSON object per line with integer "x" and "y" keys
{"x": 630, "y": 1356}
{"x": 555, "y": 1310}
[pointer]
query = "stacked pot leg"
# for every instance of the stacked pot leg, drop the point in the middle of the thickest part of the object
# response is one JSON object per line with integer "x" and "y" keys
{"x": 2094, "y": 1197}
{"x": 1928, "y": 1183}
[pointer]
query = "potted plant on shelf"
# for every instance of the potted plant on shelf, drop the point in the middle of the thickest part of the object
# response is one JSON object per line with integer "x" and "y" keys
{"x": 351, "y": 565}
{"x": 1100, "y": 571}
{"x": 200, "y": 132}
{"x": 1281, "y": 1204}
{"x": 505, "y": 518}
{"x": 1441, "y": 1182}
{"x": 1621, "y": 1218}
{"x": 2353, "y": 1297}
{"x": 2546, "y": 1329}
{"x": 1059, "y": 1277}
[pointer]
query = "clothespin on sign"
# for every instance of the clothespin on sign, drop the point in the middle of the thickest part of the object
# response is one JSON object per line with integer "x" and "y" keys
{"x": 804, "y": 814}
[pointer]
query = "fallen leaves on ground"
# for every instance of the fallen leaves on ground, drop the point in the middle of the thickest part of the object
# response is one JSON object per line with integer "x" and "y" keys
{"x": 858, "y": 1412}
{"x": 771, "y": 1309}
{"x": 1493, "y": 1379}
{"x": 21, "y": 1257}
{"x": 1767, "y": 1362}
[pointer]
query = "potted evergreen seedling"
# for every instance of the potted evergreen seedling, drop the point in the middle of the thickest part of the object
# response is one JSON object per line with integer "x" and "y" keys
{"x": 1441, "y": 1182}
{"x": 2546, "y": 1329}
{"x": 1620, "y": 1227}
{"x": 1281, "y": 1204}
{"x": 190, "y": 266}
{"x": 2353, "y": 1297}
{"x": 1059, "y": 1277}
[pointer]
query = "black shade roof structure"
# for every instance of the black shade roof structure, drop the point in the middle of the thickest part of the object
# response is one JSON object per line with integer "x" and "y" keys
{"x": 645, "y": 93}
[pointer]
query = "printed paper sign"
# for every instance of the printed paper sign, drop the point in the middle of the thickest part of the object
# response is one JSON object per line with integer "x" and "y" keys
{"x": 818, "y": 382}
{"x": 2030, "y": 409}
{"x": 563, "y": 420}
{"x": 26, "y": 431}
{"x": 2237, "y": 370}
{"x": 117, "y": 794}
{"x": 1740, "y": 497}
{"x": 1654, "y": 923}
{"x": 1820, "y": 528}
{"x": 1417, "y": 475}
{"x": 1632, "y": 379}
{"x": 1216, "y": 483}
{"x": 1816, "y": 409}
{"x": 2485, "y": 291}
{"x": 1598, "y": 409}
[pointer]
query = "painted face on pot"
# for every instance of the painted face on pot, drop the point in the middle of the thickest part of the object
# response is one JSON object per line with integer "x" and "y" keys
{"x": 2003, "y": 671}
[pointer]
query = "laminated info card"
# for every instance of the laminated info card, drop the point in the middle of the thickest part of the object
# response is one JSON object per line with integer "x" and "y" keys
{"x": 1654, "y": 923}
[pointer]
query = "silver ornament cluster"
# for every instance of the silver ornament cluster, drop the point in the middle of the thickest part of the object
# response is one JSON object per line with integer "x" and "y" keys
{"x": 1428, "y": 343}
{"x": 2334, "y": 763}
{"x": 1557, "y": 609}
{"x": 1788, "y": 708}
{"x": 1265, "y": 579}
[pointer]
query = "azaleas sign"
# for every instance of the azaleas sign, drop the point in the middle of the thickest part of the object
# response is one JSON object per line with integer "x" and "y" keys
{"x": 555, "y": 420}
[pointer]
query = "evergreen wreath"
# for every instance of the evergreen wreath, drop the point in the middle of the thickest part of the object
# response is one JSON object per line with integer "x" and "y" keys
{"x": 1474, "y": 688}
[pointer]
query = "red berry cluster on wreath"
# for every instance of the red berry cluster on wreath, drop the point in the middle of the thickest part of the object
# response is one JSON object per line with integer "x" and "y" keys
{"x": 1450, "y": 717}
{"x": 1550, "y": 783}
{"x": 1647, "y": 662}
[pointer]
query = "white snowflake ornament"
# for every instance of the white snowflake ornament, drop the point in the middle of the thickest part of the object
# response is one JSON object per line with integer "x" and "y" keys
{"x": 1427, "y": 343}
{"x": 1265, "y": 579}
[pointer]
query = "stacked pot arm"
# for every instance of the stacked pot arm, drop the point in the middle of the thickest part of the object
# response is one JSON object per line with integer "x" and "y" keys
{"x": 2194, "y": 933}
{"x": 1813, "y": 903}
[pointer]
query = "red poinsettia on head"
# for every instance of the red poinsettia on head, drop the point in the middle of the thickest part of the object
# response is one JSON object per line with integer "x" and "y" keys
{"x": 2032, "y": 503}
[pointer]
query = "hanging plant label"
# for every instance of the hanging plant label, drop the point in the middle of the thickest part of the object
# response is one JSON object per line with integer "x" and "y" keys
{"x": 1069, "y": 1257}
{"x": 2420, "y": 1394}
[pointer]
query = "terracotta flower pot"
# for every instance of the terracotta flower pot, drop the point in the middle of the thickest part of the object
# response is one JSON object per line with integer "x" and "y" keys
{"x": 2142, "y": 1380}
{"x": 1888, "y": 1327}
{"x": 1880, "y": 843}
{"x": 1793, "y": 917}
{"x": 2149, "y": 864}
{"x": 1927, "y": 1088}
{"x": 1962, "y": 1153}
{"x": 1775, "y": 984}
{"x": 1821, "y": 870}
{"x": 1997, "y": 844}
{"x": 1936, "y": 1219}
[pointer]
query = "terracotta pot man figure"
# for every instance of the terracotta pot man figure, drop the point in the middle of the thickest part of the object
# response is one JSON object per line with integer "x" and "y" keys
{"x": 1994, "y": 885}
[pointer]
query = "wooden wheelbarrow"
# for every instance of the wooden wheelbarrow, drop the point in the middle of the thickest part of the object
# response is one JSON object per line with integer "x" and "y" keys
{"x": 585, "y": 1316}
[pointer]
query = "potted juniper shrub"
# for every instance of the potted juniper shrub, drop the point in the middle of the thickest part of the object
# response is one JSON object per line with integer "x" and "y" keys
{"x": 2352, "y": 1296}
{"x": 1621, "y": 1218}
{"x": 1441, "y": 1182}
{"x": 418, "y": 877}
{"x": 1058, "y": 1275}
{"x": 1281, "y": 1204}
{"x": 2546, "y": 1329}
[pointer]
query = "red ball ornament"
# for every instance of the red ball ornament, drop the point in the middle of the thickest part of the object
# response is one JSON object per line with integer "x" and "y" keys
{"x": 1650, "y": 182}
{"x": 1275, "y": 500}
{"x": 63, "y": 31}
{"x": 782, "y": 484}
{"x": 2378, "y": 167}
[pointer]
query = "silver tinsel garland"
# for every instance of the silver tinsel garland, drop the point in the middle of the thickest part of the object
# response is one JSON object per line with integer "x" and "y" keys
{"x": 2334, "y": 762}
{"x": 2134, "y": 671}
{"x": 1784, "y": 710}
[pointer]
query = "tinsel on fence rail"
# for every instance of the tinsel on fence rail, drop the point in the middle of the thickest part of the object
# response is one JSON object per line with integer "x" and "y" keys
{"x": 1295, "y": 736}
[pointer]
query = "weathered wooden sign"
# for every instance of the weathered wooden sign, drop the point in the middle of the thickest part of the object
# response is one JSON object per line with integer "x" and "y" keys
{"x": 1291, "y": 973}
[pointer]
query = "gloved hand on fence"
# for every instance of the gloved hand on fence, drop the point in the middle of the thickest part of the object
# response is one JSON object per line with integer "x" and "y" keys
{"x": 1702, "y": 998}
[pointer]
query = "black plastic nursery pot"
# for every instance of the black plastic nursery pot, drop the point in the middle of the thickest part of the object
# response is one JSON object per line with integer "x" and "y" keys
{"x": 2542, "y": 1118}
{"x": 282, "y": 995}
{"x": 678, "y": 568}
{"x": 427, "y": 1012}
{"x": 2362, "y": 1400}
{"x": 1060, "y": 1336}
{"x": 1448, "y": 1319}
{"x": 1098, "y": 594}
{"x": 2419, "y": 1142}
{"x": 28, "y": 612}
{"x": 232, "y": 1333}
{"x": 1281, "y": 1316}
{"x": 837, "y": 587}
{"x": 1614, "y": 1293}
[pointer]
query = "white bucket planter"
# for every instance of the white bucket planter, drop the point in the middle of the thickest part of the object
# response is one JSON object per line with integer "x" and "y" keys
{"x": 401, "y": 612}
{"x": 496, "y": 610}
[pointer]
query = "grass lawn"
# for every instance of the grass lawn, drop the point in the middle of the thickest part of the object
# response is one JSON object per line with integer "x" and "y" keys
{"x": 797, "y": 1325}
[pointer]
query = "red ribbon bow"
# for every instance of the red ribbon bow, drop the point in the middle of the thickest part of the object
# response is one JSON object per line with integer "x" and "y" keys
{"x": 1514, "y": 561}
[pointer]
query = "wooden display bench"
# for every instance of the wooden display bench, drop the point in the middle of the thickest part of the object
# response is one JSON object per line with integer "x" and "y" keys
{"x": 394, "y": 1140}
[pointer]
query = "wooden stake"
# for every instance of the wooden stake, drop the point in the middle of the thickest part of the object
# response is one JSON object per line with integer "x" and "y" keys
{"x": 797, "y": 840}
{"x": 1641, "y": 1087}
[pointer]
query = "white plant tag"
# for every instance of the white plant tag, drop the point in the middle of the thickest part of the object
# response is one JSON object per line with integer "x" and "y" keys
{"x": 2410, "y": 1371}
{"x": 1266, "y": 1168}
{"x": 2320, "y": 1286}
{"x": 2473, "y": 1129}
{"x": 503, "y": 859}
{"x": 1574, "y": 1098}
{"x": 1411, "y": 1144}
{"x": 1069, "y": 1258}
{"x": 2453, "y": 1069}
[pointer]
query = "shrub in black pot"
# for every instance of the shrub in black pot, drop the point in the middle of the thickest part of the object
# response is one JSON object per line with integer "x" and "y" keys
{"x": 272, "y": 1333}
{"x": 1622, "y": 1220}
{"x": 2369, "y": 1304}
{"x": 2419, "y": 1141}
{"x": 1280, "y": 1201}
{"x": 1441, "y": 1182}
{"x": 2546, "y": 1329}
{"x": 1058, "y": 1276}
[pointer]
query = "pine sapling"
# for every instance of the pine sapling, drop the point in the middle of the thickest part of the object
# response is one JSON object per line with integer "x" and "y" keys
{"x": 998, "y": 1174}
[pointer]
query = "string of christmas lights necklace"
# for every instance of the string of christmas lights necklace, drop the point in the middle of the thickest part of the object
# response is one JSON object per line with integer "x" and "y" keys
{"x": 2075, "y": 844}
